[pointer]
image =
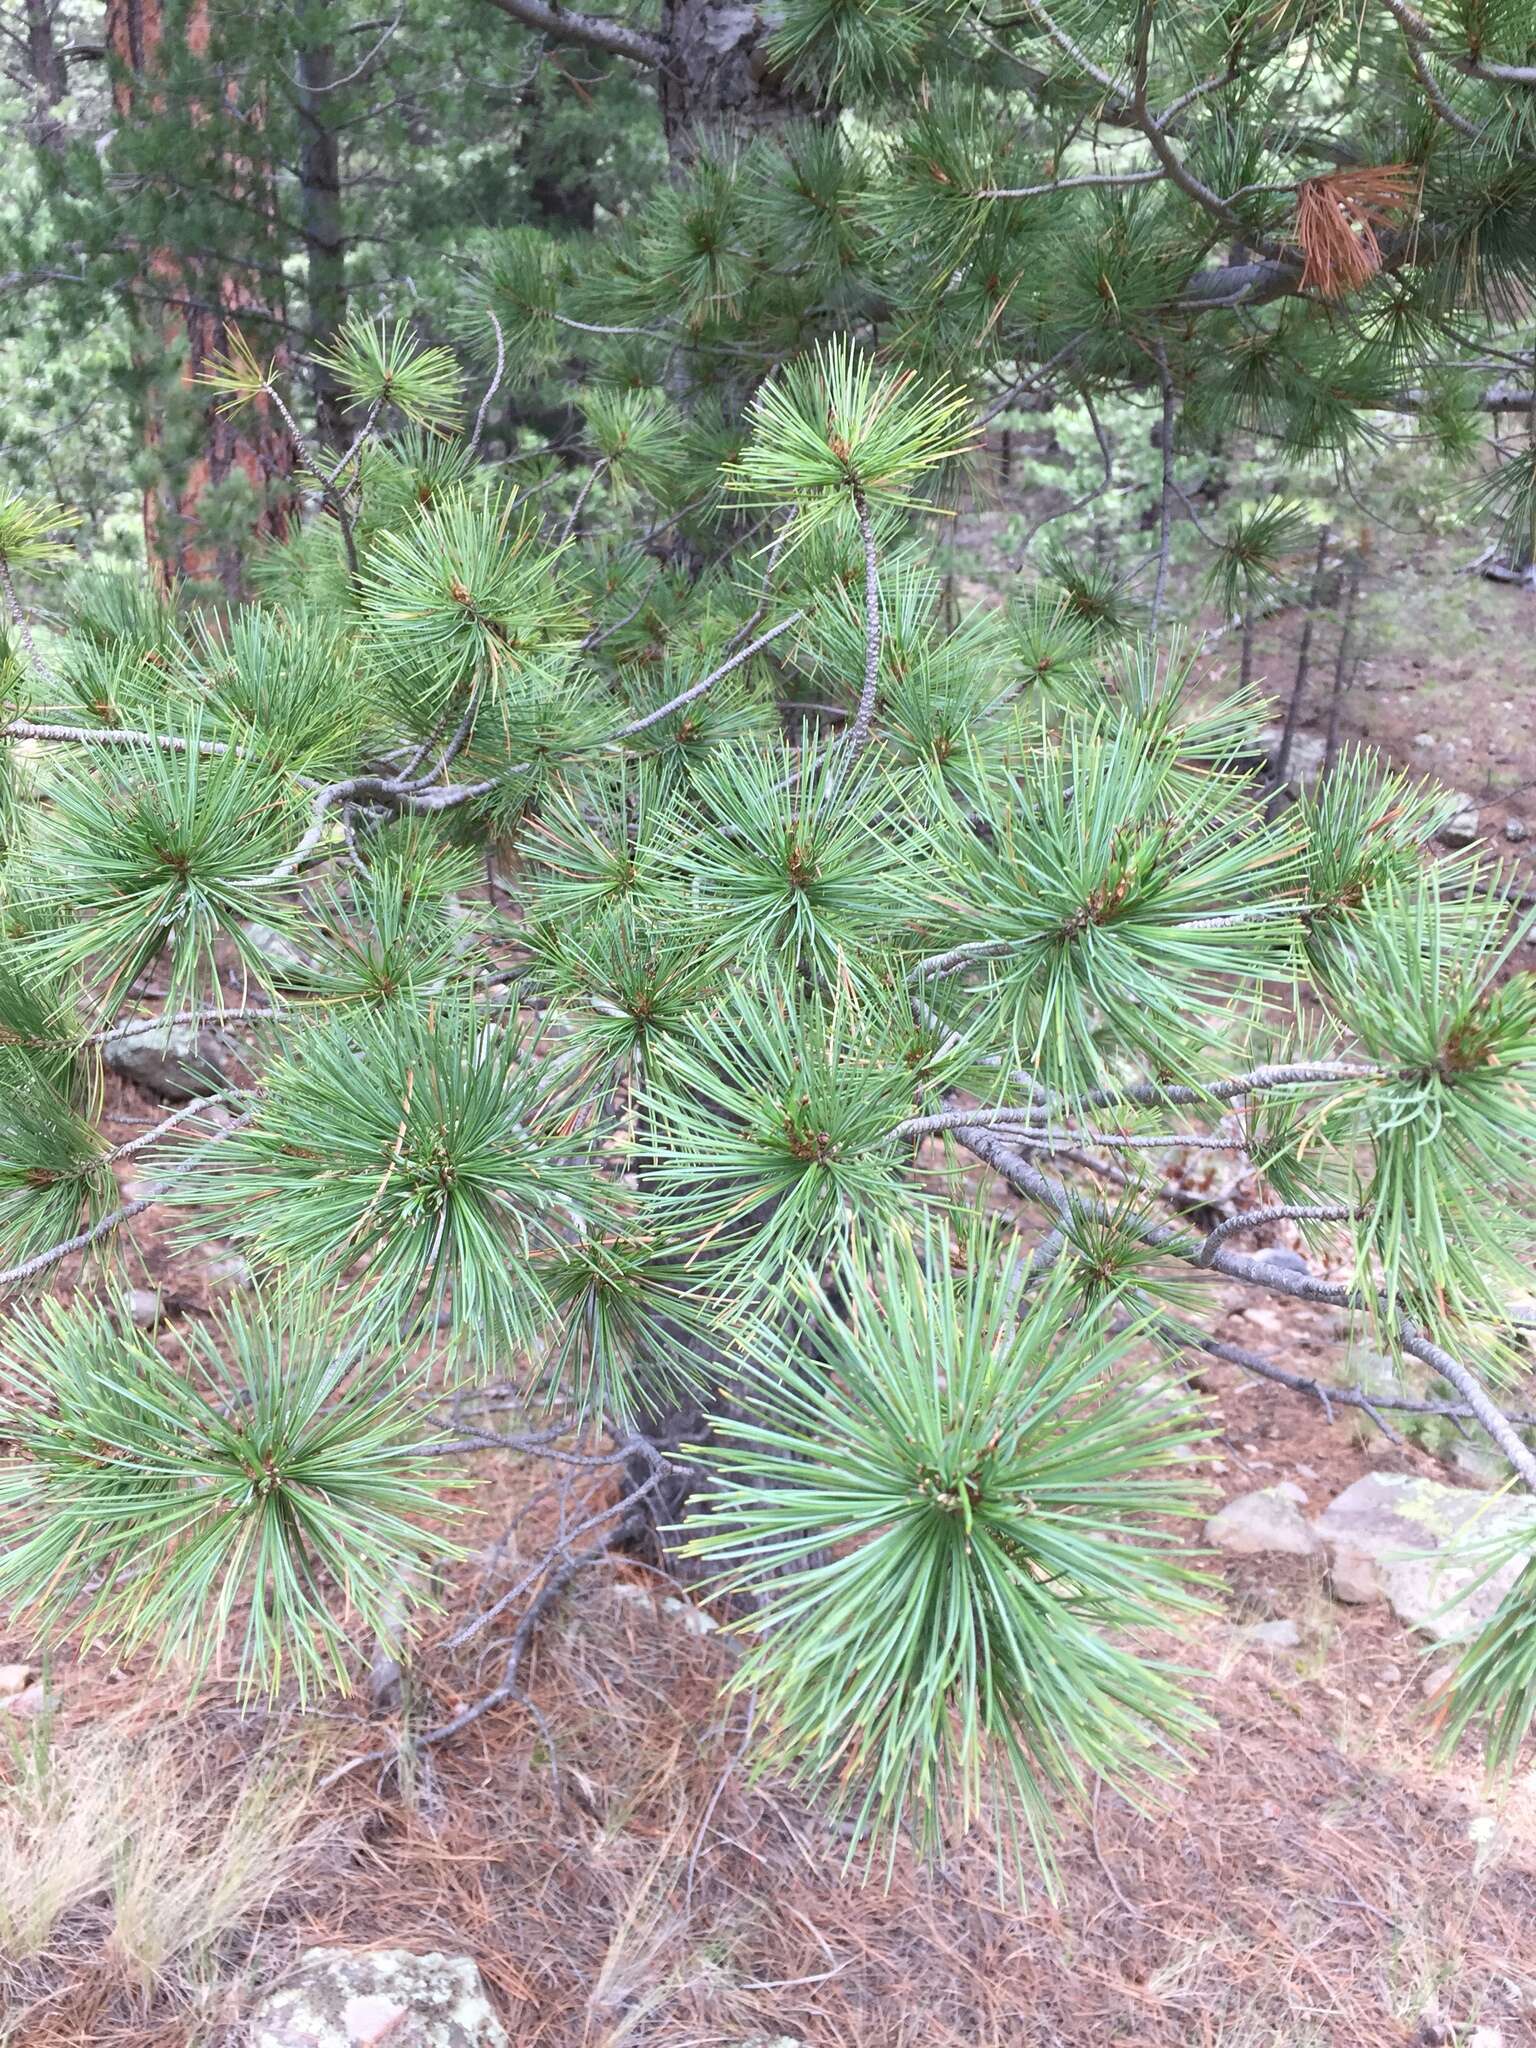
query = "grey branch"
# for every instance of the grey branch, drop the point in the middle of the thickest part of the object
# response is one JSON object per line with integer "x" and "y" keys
{"x": 111, "y": 736}
{"x": 597, "y": 31}
{"x": 1303, "y": 1383}
{"x": 14, "y": 1276}
{"x": 1282, "y": 1212}
{"x": 688, "y": 696}
{"x": 1018, "y": 1171}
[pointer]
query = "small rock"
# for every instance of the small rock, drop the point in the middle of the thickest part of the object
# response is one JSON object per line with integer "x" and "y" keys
{"x": 175, "y": 1062}
{"x": 1274, "y": 1635}
{"x": 694, "y": 1619}
{"x": 15, "y": 1678}
{"x": 1486, "y": 2037}
{"x": 143, "y": 1306}
{"x": 1461, "y": 828}
{"x": 1516, "y": 829}
{"x": 31, "y": 1701}
{"x": 1428, "y": 1545}
{"x": 1352, "y": 1576}
{"x": 1256, "y": 1523}
{"x": 277, "y": 950}
{"x": 624, "y": 1593}
{"x": 343, "y": 1998}
{"x": 1291, "y": 1491}
{"x": 1437, "y": 1680}
{"x": 1305, "y": 1472}
{"x": 1267, "y": 1319}
{"x": 229, "y": 1270}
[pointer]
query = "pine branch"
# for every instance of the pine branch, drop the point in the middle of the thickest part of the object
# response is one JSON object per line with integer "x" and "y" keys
{"x": 114, "y": 736}
{"x": 689, "y": 696}
{"x": 1421, "y": 34}
{"x": 858, "y": 732}
{"x": 596, "y": 31}
{"x": 1016, "y": 1169}
{"x": 1165, "y": 500}
{"x": 1280, "y": 1212}
{"x": 15, "y": 1276}
{"x": 493, "y": 387}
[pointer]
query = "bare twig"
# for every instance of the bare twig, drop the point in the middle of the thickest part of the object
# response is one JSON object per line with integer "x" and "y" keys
{"x": 858, "y": 732}
{"x": 1282, "y": 763}
{"x": 1343, "y": 664}
{"x": 493, "y": 387}
{"x": 737, "y": 660}
{"x": 1165, "y": 502}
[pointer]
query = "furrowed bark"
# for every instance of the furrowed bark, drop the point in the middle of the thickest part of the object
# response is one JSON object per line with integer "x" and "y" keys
{"x": 198, "y": 449}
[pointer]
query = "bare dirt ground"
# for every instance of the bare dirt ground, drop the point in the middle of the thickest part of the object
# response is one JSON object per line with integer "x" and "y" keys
{"x": 1320, "y": 1880}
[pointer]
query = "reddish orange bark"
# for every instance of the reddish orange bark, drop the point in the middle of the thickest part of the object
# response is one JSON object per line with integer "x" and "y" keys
{"x": 192, "y": 309}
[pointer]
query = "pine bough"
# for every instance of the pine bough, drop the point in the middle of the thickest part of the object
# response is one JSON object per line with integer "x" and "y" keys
{"x": 746, "y": 1014}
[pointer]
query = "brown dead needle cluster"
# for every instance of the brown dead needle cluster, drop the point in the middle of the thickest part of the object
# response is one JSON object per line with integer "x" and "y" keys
{"x": 1338, "y": 220}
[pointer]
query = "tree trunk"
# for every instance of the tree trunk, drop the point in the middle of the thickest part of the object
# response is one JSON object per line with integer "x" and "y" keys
{"x": 718, "y": 82}
{"x": 325, "y": 245}
{"x": 45, "y": 68}
{"x": 193, "y": 527}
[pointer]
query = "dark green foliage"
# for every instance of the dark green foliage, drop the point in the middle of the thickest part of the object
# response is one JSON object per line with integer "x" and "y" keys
{"x": 154, "y": 853}
{"x": 279, "y": 1465}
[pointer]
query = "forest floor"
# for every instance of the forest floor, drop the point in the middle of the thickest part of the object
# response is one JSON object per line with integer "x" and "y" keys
{"x": 1319, "y": 1880}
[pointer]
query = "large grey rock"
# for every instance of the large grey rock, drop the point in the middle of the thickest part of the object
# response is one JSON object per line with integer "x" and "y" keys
{"x": 380, "y": 1998}
{"x": 176, "y": 1062}
{"x": 1304, "y": 763}
{"x": 1256, "y": 1524}
{"x": 1424, "y": 1544}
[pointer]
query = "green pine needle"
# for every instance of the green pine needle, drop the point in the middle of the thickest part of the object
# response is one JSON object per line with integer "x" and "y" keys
{"x": 262, "y": 1502}
{"x": 949, "y": 1511}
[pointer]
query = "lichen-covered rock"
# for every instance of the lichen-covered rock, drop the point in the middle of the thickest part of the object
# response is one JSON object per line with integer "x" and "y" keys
{"x": 1425, "y": 1544}
{"x": 379, "y": 1998}
{"x": 1257, "y": 1523}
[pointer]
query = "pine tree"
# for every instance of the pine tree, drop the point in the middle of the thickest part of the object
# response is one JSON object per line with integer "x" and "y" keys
{"x": 690, "y": 976}
{"x": 203, "y": 170}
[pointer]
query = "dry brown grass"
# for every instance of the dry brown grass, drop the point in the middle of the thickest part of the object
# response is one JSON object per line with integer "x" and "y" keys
{"x": 134, "y": 1876}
